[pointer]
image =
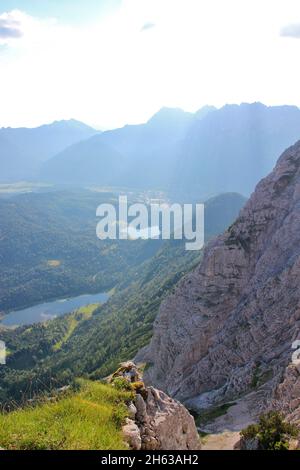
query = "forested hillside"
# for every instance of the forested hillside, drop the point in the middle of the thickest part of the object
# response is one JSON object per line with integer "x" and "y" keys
{"x": 45, "y": 355}
{"x": 49, "y": 248}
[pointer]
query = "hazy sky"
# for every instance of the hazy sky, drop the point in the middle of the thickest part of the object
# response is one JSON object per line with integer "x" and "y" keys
{"x": 111, "y": 62}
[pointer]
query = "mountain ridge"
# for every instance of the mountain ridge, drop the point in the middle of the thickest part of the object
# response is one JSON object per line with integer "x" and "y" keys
{"x": 188, "y": 155}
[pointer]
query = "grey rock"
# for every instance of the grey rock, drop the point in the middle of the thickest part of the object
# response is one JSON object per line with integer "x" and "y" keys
{"x": 160, "y": 423}
{"x": 141, "y": 410}
{"x": 168, "y": 424}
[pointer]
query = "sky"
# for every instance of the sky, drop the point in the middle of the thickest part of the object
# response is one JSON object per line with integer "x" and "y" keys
{"x": 114, "y": 62}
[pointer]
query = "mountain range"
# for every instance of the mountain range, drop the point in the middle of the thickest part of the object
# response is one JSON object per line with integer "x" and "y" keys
{"x": 189, "y": 155}
{"x": 22, "y": 150}
{"x": 138, "y": 156}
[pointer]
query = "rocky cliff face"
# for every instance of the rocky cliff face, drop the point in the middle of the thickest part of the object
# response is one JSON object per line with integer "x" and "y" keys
{"x": 155, "y": 421}
{"x": 229, "y": 326}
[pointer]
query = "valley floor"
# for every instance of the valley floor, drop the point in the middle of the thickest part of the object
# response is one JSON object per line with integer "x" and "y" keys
{"x": 224, "y": 432}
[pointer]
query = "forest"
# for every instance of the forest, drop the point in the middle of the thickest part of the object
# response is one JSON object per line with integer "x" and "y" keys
{"x": 45, "y": 355}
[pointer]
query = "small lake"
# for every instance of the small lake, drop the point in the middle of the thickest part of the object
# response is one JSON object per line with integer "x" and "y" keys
{"x": 50, "y": 310}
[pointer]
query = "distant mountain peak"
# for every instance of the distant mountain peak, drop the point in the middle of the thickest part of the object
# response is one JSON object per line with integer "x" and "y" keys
{"x": 166, "y": 113}
{"x": 23, "y": 150}
{"x": 69, "y": 123}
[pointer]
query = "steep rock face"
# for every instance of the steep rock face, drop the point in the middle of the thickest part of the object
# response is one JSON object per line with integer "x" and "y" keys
{"x": 160, "y": 423}
{"x": 229, "y": 326}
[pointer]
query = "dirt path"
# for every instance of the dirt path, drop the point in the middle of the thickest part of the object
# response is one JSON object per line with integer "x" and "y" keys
{"x": 222, "y": 441}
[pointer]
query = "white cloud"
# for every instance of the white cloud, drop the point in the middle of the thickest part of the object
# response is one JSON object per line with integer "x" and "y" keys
{"x": 10, "y": 26}
{"x": 109, "y": 74}
{"x": 291, "y": 30}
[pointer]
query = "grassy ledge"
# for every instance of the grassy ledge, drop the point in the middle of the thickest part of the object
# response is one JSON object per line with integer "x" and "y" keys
{"x": 90, "y": 419}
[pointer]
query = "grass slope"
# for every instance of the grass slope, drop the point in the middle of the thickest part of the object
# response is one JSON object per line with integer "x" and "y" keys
{"x": 90, "y": 419}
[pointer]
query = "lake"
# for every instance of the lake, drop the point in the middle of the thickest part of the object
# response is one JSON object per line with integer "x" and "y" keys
{"x": 50, "y": 310}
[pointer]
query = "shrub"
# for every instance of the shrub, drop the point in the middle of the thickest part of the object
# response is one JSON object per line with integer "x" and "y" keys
{"x": 120, "y": 414}
{"x": 139, "y": 387}
{"x": 271, "y": 432}
{"x": 120, "y": 383}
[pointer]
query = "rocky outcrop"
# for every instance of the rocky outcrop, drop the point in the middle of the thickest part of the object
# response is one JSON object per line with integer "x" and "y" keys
{"x": 165, "y": 423}
{"x": 161, "y": 423}
{"x": 229, "y": 326}
{"x": 128, "y": 371}
{"x": 156, "y": 421}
